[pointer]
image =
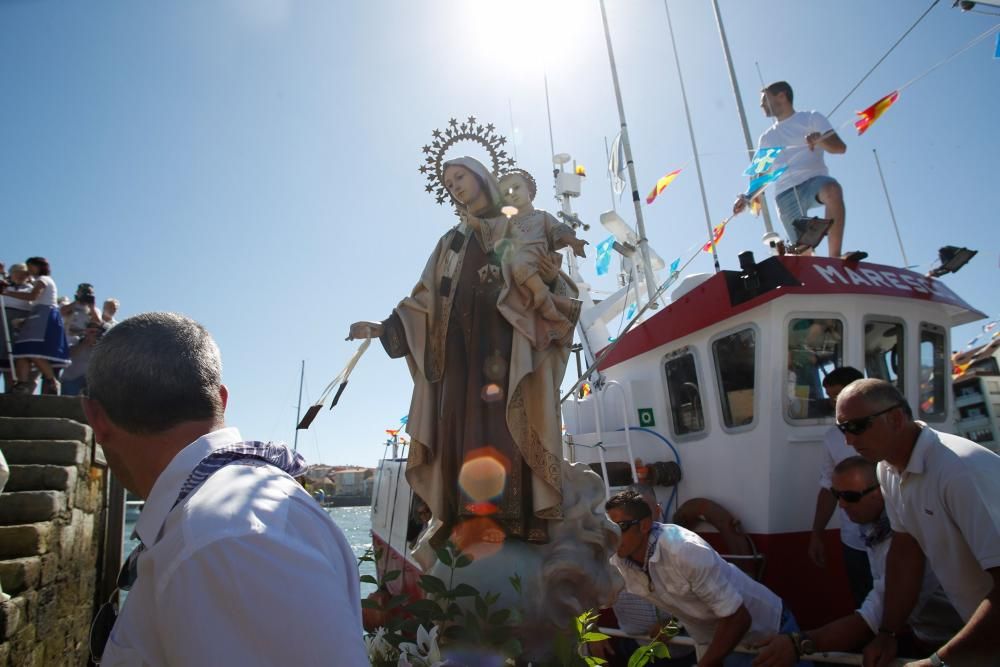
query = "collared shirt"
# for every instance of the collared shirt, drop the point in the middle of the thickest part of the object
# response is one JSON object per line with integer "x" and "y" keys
{"x": 247, "y": 570}
{"x": 687, "y": 576}
{"x": 836, "y": 450}
{"x": 948, "y": 499}
{"x": 933, "y": 620}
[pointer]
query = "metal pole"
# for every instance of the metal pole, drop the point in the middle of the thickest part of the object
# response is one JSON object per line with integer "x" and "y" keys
{"x": 552, "y": 142}
{"x": 892, "y": 215}
{"x": 513, "y": 130}
{"x": 298, "y": 407}
{"x": 694, "y": 144}
{"x": 647, "y": 267}
{"x": 611, "y": 185}
{"x": 739, "y": 104}
{"x": 6, "y": 338}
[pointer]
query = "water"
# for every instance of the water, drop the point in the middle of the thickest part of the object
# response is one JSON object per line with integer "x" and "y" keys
{"x": 354, "y": 521}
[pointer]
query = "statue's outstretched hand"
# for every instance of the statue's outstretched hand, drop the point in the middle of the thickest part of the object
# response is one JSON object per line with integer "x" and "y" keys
{"x": 365, "y": 330}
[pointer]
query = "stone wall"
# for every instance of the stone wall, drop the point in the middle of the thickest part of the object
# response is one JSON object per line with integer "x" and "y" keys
{"x": 51, "y": 532}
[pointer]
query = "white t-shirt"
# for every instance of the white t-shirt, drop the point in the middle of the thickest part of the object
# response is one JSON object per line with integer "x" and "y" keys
{"x": 699, "y": 587}
{"x": 948, "y": 499}
{"x": 17, "y": 304}
{"x": 791, "y": 133}
{"x": 48, "y": 296}
{"x": 249, "y": 571}
{"x": 836, "y": 450}
{"x": 933, "y": 620}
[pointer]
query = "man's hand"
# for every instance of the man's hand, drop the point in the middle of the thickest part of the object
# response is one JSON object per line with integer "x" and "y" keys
{"x": 817, "y": 550}
{"x": 779, "y": 651}
{"x": 365, "y": 330}
{"x": 740, "y": 204}
{"x": 880, "y": 651}
{"x": 814, "y": 139}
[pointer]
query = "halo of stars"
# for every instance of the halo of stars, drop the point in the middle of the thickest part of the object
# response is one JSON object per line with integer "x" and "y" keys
{"x": 455, "y": 132}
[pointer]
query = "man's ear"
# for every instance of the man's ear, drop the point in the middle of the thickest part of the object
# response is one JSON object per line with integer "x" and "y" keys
{"x": 97, "y": 418}
{"x": 224, "y": 395}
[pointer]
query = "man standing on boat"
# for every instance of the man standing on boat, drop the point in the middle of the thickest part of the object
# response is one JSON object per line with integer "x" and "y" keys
{"x": 237, "y": 564}
{"x": 806, "y": 183}
{"x": 933, "y": 621}
{"x": 942, "y": 495}
{"x": 719, "y": 605}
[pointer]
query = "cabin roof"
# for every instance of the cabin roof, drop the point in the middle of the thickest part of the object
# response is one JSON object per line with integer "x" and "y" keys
{"x": 711, "y": 302}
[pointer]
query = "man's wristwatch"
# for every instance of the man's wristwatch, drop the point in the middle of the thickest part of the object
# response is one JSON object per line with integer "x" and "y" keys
{"x": 803, "y": 644}
{"x": 936, "y": 660}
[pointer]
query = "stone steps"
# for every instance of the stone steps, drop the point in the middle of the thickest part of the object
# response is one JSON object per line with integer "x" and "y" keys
{"x": 45, "y": 452}
{"x": 43, "y": 428}
{"x": 19, "y": 507}
{"x": 25, "y": 540}
{"x": 32, "y": 477}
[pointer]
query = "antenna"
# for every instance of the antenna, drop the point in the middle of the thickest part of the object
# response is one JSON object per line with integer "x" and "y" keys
{"x": 298, "y": 407}
{"x": 892, "y": 215}
{"x": 607, "y": 156}
{"x": 513, "y": 130}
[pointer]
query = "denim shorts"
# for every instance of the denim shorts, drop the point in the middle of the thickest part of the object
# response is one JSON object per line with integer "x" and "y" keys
{"x": 794, "y": 202}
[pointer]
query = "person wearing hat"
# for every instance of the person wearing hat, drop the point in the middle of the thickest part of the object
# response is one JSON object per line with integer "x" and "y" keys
{"x": 79, "y": 312}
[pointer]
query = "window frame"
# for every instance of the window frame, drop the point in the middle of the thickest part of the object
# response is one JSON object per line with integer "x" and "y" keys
{"x": 945, "y": 376}
{"x": 720, "y": 390}
{"x": 700, "y": 377}
{"x": 889, "y": 319}
{"x": 844, "y": 349}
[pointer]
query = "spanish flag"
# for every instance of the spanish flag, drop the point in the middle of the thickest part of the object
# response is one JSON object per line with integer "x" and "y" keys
{"x": 661, "y": 185}
{"x": 717, "y": 233}
{"x": 874, "y": 112}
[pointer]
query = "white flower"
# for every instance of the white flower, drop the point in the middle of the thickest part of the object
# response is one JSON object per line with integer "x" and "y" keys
{"x": 425, "y": 651}
{"x": 378, "y": 648}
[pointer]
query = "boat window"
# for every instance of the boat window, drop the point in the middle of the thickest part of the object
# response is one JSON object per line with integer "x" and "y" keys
{"x": 884, "y": 351}
{"x": 734, "y": 366}
{"x": 933, "y": 367}
{"x": 815, "y": 347}
{"x": 684, "y": 393}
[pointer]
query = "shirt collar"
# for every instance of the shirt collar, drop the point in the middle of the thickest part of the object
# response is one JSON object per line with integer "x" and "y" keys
{"x": 168, "y": 484}
{"x": 921, "y": 448}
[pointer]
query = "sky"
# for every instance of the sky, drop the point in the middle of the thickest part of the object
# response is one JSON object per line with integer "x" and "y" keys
{"x": 253, "y": 163}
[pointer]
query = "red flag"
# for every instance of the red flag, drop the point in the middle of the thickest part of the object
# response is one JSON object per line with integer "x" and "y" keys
{"x": 874, "y": 112}
{"x": 661, "y": 185}
{"x": 717, "y": 233}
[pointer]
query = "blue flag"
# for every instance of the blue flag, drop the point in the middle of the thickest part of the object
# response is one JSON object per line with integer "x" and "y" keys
{"x": 404, "y": 419}
{"x": 674, "y": 265}
{"x": 604, "y": 255}
{"x": 758, "y": 184}
{"x": 763, "y": 160}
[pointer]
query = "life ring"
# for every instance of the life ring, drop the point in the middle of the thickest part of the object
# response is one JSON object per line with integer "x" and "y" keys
{"x": 736, "y": 541}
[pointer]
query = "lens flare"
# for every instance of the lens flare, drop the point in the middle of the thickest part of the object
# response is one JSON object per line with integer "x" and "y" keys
{"x": 483, "y": 476}
{"x": 492, "y": 393}
{"x": 479, "y": 537}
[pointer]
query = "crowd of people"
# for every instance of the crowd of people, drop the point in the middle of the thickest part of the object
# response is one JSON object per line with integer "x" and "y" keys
{"x": 47, "y": 337}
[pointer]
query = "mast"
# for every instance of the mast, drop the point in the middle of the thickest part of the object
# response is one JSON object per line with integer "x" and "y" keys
{"x": 694, "y": 144}
{"x": 647, "y": 267}
{"x": 739, "y": 105}
{"x": 298, "y": 407}
{"x": 892, "y": 215}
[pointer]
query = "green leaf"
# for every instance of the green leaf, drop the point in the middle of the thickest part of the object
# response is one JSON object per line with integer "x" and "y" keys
{"x": 454, "y": 611}
{"x": 396, "y": 600}
{"x": 370, "y": 604}
{"x": 391, "y": 575}
{"x": 432, "y": 584}
{"x": 425, "y": 607}
{"x": 491, "y": 598}
{"x": 515, "y": 582}
{"x": 463, "y": 561}
{"x": 660, "y": 650}
{"x": 481, "y": 607}
{"x": 594, "y": 637}
{"x": 594, "y": 660}
{"x": 369, "y": 579}
{"x": 444, "y": 555}
{"x": 512, "y": 648}
{"x": 463, "y": 591}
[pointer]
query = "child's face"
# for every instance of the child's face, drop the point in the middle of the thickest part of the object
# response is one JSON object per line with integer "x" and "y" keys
{"x": 515, "y": 192}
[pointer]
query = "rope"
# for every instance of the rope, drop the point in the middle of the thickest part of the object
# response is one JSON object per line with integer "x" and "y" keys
{"x": 891, "y": 49}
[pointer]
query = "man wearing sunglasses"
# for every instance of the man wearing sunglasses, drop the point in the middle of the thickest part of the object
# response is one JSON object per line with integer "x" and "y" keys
{"x": 835, "y": 450}
{"x": 234, "y": 555}
{"x": 673, "y": 568}
{"x": 933, "y": 621}
{"x": 942, "y": 496}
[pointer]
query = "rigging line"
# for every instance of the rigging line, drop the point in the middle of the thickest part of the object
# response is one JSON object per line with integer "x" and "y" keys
{"x": 891, "y": 49}
{"x": 962, "y": 50}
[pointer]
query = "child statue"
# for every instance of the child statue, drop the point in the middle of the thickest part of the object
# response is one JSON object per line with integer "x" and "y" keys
{"x": 535, "y": 237}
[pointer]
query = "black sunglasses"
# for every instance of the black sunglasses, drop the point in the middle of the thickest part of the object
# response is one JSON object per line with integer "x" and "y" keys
{"x": 625, "y": 525}
{"x": 852, "y": 496}
{"x": 862, "y": 424}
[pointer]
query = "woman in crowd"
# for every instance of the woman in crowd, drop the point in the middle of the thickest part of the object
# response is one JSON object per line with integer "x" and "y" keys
{"x": 41, "y": 340}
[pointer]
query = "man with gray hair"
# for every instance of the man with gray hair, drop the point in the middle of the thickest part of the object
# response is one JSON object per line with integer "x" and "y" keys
{"x": 942, "y": 496}
{"x": 232, "y": 548}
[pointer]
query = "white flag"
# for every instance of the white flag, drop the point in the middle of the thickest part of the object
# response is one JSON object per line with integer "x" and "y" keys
{"x": 616, "y": 167}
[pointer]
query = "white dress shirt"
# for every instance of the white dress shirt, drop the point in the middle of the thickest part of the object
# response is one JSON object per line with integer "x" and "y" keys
{"x": 688, "y": 577}
{"x": 248, "y": 570}
{"x": 836, "y": 450}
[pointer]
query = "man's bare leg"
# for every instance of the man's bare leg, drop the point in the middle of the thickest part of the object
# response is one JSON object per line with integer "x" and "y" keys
{"x": 831, "y": 196}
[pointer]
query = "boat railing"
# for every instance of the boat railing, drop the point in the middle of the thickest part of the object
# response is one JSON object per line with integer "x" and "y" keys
{"x": 826, "y": 657}
{"x": 601, "y": 446}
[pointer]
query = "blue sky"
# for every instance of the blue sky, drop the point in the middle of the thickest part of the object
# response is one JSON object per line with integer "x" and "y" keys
{"x": 253, "y": 163}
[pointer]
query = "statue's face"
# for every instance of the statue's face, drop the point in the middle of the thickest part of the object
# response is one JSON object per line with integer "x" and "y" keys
{"x": 462, "y": 184}
{"x": 514, "y": 189}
